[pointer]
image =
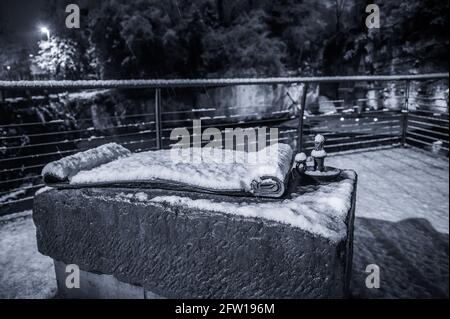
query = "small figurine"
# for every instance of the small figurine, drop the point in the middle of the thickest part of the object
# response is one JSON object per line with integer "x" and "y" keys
{"x": 318, "y": 171}
{"x": 300, "y": 162}
{"x": 318, "y": 153}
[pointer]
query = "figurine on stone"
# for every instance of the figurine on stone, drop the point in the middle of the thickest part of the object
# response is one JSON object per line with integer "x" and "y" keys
{"x": 318, "y": 171}
{"x": 318, "y": 153}
{"x": 300, "y": 162}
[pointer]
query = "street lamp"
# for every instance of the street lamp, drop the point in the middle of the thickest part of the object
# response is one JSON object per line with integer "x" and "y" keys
{"x": 46, "y": 31}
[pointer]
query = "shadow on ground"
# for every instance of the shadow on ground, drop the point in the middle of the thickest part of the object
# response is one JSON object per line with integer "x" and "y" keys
{"x": 412, "y": 256}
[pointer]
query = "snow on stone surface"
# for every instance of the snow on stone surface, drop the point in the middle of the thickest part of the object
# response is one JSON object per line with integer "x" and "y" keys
{"x": 321, "y": 213}
{"x": 319, "y": 138}
{"x": 318, "y": 154}
{"x": 194, "y": 166}
{"x": 85, "y": 95}
{"x": 300, "y": 157}
{"x": 42, "y": 190}
{"x": 328, "y": 172}
{"x": 67, "y": 166}
{"x": 12, "y": 195}
{"x": 320, "y": 210}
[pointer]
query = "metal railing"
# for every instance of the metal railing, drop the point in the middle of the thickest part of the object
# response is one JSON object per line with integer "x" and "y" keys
{"x": 390, "y": 116}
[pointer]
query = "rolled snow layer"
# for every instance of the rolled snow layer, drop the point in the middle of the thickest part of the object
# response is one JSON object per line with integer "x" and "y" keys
{"x": 62, "y": 170}
{"x": 264, "y": 173}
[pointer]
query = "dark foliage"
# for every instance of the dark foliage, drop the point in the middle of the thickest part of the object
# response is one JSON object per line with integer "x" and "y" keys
{"x": 209, "y": 38}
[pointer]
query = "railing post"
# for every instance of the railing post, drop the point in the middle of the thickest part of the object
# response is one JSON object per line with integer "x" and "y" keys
{"x": 158, "y": 125}
{"x": 300, "y": 120}
{"x": 405, "y": 111}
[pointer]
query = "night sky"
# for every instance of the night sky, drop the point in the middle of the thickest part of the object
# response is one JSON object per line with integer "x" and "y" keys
{"x": 19, "y": 19}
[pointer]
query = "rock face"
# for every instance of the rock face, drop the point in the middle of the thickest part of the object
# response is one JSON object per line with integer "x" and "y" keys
{"x": 181, "y": 252}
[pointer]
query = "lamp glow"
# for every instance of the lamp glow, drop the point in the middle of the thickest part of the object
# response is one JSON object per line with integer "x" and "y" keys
{"x": 46, "y": 31}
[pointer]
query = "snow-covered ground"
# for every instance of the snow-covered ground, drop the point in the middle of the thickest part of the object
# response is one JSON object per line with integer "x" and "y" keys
{"x": 402, "y": 226}
{"x": 24, "y": 272}
{"x": 402, "y": 222}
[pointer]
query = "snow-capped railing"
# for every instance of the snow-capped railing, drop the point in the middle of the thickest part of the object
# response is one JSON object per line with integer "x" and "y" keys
{"x": 382, "y": 115}
{"x": 172, "y": 83}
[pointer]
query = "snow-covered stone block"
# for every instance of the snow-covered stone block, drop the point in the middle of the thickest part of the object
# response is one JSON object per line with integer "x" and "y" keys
{"x": 224, "y": 171}
{"x": 193, "y": 245}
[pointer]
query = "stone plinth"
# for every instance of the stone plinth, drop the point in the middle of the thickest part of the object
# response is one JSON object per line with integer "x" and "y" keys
{"x": 190, "y": 245}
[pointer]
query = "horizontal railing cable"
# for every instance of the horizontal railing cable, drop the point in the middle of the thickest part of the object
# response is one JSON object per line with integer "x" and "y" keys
{"x": 177, "y": 83}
